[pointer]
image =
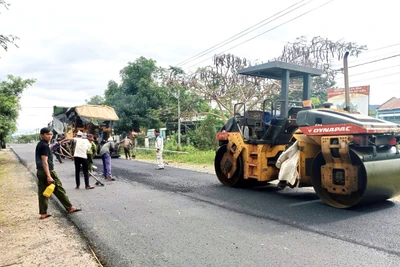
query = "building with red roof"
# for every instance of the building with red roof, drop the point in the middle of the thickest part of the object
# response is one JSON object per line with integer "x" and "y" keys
{"x": 390, "y": 110}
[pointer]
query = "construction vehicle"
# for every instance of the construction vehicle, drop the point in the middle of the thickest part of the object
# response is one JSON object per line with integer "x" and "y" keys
{"x": 348, "y": 158}
{"x": 89, "y": 119}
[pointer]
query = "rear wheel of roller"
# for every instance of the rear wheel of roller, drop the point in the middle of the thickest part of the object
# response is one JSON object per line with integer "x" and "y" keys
{"x": 237, "y": 178}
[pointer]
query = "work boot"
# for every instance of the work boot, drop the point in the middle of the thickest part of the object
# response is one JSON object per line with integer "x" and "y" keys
{"x": 281, "y": 185}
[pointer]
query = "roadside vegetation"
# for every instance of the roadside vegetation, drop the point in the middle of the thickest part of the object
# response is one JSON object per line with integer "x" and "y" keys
{"x": 195, "y": 157}
{"x": 188, "y": 153}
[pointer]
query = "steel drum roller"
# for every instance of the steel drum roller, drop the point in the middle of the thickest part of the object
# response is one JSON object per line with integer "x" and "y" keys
{"x": 378, "y": 178}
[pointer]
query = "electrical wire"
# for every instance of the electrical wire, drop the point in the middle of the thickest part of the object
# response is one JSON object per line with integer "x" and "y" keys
{"x": 377, "y": 77}
{"x": 338, "y": 65}
{"x": 370, "y": 62}
{"x": 380, "y": 48}
{"x": 389, "y": 83}
{"x": 371, "y": 71}
{"x": 373, "y": 61}
{"x": 243, "y": 33}
{"x": 303, "y": 14}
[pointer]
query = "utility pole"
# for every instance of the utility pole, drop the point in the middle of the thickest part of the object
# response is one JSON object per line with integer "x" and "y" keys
{"x": 175, "y": 79}
{"x": 179, "y": 119}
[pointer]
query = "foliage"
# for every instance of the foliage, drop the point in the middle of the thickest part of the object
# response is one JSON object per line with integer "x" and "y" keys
{"x": 6, "y": 40}
{"x": 140, "y": 139}
{"x": 318, "y": 53}
{"x": 180, "y": 102}
{"x": 193, "y": 157}
{"x": 223, "y": 85}
{"x": 138, "y": 98}
{"x": 316, "y": 102}
{"x": 203, "y": 138}
{"x": 10, "y": 94}
{"x": 372, "y": 113}
{"x": 26, "y": 138}
{"x": 172, "y": 143}
{"x": 95, "y": 100}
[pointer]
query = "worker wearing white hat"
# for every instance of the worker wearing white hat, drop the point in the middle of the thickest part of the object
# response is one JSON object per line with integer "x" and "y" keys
{"x": 80, "y": 159}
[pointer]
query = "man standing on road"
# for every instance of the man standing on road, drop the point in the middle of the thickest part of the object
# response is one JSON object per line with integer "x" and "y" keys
{"x": 47, "y": 175}
{"x": 105, "y": 153}
{"x": 127, "y": 145}
{"x": 80, "y": 158}
{"x": 159, "y": 143}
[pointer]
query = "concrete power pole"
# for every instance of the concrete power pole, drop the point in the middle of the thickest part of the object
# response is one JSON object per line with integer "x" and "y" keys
{"x": 179, "y": 119}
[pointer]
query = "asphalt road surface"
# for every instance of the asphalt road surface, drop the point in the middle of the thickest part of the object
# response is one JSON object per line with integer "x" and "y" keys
{"x": 176, "y": 217}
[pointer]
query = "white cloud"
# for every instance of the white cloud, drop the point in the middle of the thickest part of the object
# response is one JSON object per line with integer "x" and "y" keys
{"x": 73, "y": 48}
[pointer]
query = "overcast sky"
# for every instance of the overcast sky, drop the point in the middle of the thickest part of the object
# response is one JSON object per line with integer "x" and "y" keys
{"x": 73, "y": 48}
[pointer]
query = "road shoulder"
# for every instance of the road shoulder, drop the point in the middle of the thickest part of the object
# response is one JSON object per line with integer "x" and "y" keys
{"x": 26, "y": 240}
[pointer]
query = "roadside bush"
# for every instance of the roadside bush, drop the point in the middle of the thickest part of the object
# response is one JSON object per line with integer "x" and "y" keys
{"x": 203, "y": 138}
{"x": 140, "y": 140}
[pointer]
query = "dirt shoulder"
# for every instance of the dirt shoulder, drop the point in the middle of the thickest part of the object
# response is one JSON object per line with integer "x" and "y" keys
{"x": 24, "y": 239}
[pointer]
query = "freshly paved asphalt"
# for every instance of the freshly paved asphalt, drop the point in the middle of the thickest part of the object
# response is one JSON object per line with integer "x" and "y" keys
{"x": 176, "y": 217}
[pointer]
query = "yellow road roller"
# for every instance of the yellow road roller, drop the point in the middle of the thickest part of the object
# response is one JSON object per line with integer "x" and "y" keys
{"x": 348, "y": 158}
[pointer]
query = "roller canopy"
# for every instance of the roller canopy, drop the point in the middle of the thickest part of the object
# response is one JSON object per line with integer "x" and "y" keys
{"x": 275, "y": 70}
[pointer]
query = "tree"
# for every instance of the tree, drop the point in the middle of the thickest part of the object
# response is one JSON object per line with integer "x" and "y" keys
{"x": 10, "y": 94}
{"x": 95, "y": 100}
{"x": 203, "y": 137}
{"x": 222, "y": 84}
{"x": 138, "y": 98}
{"x": 181, "y": 104}
{"x": 26, "y": 138}
{"x": 6, "y": 40}
{"x": 318, "y": 53}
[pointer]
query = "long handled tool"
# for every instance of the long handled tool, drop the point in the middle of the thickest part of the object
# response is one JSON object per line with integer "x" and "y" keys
{"x": 62, "y": 155}
{"x": 97, "y": 180}
{"x": 68, "y": 154}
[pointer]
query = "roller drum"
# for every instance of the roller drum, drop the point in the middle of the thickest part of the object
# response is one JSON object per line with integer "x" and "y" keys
{"x": 383, "y": 176}
{"x": 378, "y": 178}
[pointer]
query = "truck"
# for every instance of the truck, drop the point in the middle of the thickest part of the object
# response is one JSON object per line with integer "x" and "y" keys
{"x": 90, "y": 119}
{"x": 348, "y": 158}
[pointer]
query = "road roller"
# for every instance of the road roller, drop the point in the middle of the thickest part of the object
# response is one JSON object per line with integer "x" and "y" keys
{"x": 347, "y": 157}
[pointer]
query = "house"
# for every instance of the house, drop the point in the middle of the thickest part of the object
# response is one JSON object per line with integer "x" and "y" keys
{"x": 390, "y": 110}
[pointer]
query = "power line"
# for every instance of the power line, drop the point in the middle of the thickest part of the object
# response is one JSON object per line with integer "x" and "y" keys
{"x": 378, "y": 77}
{"x": 215, "y": 46}
{"x": 267, "y": 31}
{"x": 337, "y": 65}
{"x": 389, "y": 83}
{"x": 373, "y": 61}
{"x": 370, "y": 62}
{"x": 380, "y": 48}
{"x": 243, "y": 33}
{"x": 374, "y": 70}
{"x": 376, "y": 49}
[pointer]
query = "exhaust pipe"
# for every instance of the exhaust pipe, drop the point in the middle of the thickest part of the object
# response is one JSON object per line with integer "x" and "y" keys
{"x": 346, "y": 82}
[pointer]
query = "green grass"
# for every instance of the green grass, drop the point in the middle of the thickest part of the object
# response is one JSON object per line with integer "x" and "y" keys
{"x": 195, "y": 157}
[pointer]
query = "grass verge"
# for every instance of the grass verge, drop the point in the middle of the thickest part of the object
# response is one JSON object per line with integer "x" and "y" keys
{"x": 195, "y": 158}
